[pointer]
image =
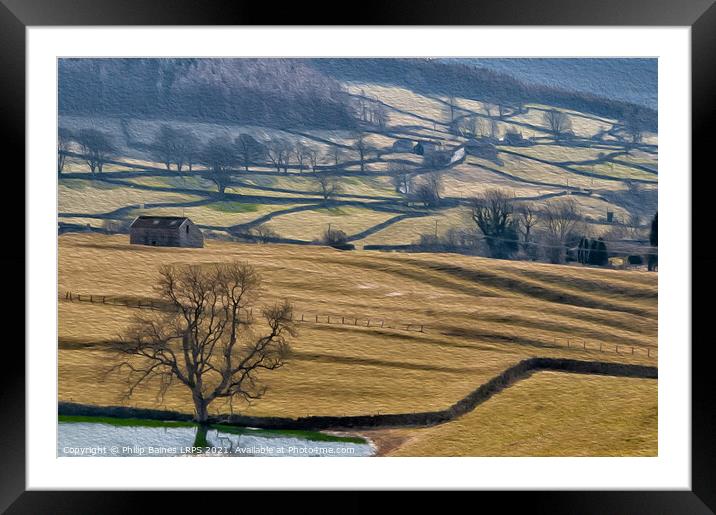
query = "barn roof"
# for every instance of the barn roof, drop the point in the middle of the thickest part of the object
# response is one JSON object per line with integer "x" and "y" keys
{"x": 158, "y": 222}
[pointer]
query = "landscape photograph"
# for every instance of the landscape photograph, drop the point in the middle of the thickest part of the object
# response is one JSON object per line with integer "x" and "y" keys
{"x": 362, "y": 257}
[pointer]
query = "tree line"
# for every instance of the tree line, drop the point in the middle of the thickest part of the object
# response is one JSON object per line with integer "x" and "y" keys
{"x": 180, "y": 149}
{"x": 511, "y": 229}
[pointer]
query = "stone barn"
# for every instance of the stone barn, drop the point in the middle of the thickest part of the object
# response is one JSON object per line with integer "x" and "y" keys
{"x": 165, "y": 231}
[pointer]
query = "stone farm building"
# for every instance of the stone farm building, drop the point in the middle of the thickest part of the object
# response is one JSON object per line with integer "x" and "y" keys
{"x": 165, "y": 231}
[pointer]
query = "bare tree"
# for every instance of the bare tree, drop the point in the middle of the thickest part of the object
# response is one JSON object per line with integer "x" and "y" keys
{"x": 362, "y": 148}
{"x": 527, "y": 218}
{"x": 560, "y": 219}
{"x": 64, "y": 141}
{"x": 557, "y": 122}
{"x": 175, "y": 146}
{"x": 96, "y": 147}
{"x": 429, "y": 190}
{"x": 634, "y": 224}
{"x": 189, "y": 151}
{"x": 314, "y": 157}
{"x": 248, "y": 150}
{"x": 279, "y": 153}
{"x": 380, "y": 116}
{"x": 401, "y": 178}
{"x": 328, "y": 185}
{"x": 208, "y": 341}
{"x": 634, "y": 128}
{"x": 263, "y": 233}
{"x": 337, "y": 154}
{"x": 303, "y": 155}
{"x": 163, "y": 145}
{"x": 219, "y": 157}
{"x": 493, "y": 213}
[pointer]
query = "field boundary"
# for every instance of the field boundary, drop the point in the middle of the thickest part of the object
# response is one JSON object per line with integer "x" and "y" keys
{"x": 576, "y": 343}
{"x": 507, "y": 378}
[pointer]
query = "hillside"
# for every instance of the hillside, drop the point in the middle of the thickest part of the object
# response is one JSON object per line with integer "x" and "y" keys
{"x": 598, "y": 174}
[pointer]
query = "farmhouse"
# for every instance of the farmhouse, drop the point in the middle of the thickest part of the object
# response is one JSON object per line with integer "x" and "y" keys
{"x": 403, "y": 145}
{"x": 165, "y": 231}
{"x": 425, "y": 148}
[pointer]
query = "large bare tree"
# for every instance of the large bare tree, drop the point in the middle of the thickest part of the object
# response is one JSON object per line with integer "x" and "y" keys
{"x": 207, "y": 339}
{"x": 493, "y": 212}
{"x": 557, "y": 122}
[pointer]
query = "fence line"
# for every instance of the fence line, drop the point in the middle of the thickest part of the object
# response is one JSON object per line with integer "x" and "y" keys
{"x": 584, "y": 344}
{"x": 115, "y": 301}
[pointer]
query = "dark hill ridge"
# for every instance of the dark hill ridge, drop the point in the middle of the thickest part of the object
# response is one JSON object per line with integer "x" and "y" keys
{"x": 286, "y": 93}
{"x": 294, "y": 93}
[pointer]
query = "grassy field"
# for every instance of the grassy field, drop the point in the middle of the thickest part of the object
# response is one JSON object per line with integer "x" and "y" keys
{"x": 480, "y": 316}
{"x": 548, "y": 414}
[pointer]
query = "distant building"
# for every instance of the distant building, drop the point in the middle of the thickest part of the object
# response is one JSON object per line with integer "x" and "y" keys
{"x": 515, "y": 139}
{"x": 403, "y": 145}
{"x": 425, "y": 148}
{"x": 165, "y": 231}
{"x": 482, "y": 147}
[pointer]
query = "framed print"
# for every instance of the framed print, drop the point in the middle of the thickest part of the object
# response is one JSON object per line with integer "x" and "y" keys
{"x": 381, "y": 256}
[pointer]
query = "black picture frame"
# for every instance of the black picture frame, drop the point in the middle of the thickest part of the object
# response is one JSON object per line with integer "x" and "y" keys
{"x": 700, "y": 15}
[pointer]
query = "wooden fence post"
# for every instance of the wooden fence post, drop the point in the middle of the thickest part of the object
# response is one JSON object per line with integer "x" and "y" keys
{"x": 584, "y": 344}
{"x": 343, "y": 320}
{"x": 600, "y": 346}
{"x": 301, "y": 317}
{"x": 382, "y": 322}
{"x": 648, "y": 352}
{"x": 316, "y": 318}
{"x": 617, "y": 349}
{"x": 421, "y": 329}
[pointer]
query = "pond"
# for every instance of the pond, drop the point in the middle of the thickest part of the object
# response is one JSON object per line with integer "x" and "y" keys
{"x": 103, "y": 436}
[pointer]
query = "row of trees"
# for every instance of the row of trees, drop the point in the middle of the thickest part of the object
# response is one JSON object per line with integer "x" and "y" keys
{"x": 180, "y": 149}
{"x": 513, "y": 229}
{"x": 508, "y": 227}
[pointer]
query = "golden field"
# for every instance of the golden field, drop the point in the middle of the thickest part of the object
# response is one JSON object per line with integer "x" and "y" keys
{"x": 548, "y": 414}
{"x": 480, "y": 316}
